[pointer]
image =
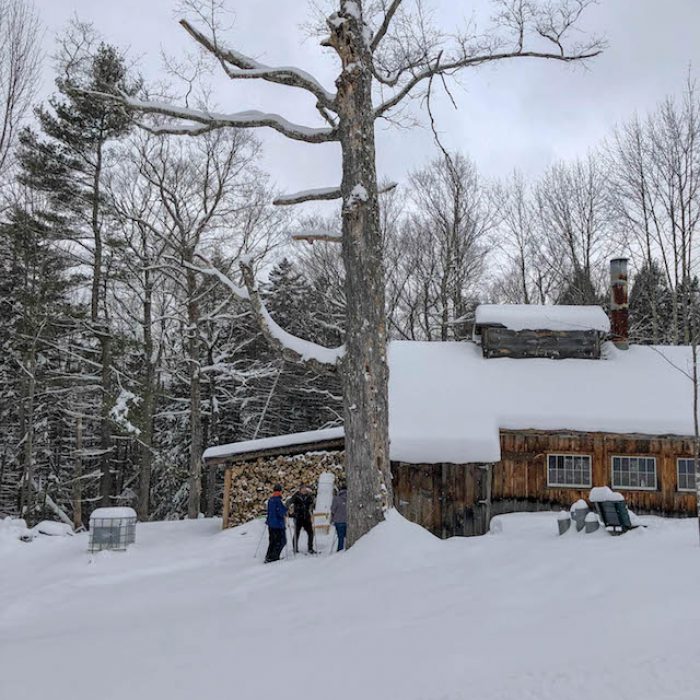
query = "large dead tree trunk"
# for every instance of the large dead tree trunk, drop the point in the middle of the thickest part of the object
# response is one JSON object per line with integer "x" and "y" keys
{"x": 364, "y": 367}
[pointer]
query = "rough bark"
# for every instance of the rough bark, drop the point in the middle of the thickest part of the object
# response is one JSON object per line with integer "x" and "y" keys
{"x": 696, "y": 424}
{"x": 148, "y": 402}
{"x": 76, "y": 486}
{"x": 364, "y": 367}
{"x": 195, "y": 466}
{"x": 28, "y": 492}
{"x": 106, "y": 476}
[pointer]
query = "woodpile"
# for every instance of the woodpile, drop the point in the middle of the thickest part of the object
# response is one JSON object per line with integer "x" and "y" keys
{"x": 252, "y": 482}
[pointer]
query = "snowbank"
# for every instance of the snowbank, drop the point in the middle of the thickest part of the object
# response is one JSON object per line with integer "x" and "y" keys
{"x": 190, "y": 613}
{"x": 53, "y": 529}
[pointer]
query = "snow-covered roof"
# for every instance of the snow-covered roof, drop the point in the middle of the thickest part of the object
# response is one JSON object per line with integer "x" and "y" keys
{"x": 447, "y": 402}
{"x": 534, "y": 317}
{"x": 271, "y": 443}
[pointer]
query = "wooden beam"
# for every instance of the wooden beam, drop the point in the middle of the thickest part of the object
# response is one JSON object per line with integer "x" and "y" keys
{"x": 227, "y": 497}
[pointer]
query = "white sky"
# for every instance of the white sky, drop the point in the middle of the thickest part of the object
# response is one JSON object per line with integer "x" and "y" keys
{"x": 523, "y": 114}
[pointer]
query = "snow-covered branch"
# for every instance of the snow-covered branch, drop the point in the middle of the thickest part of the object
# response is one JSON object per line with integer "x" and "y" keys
{"x": 313, "y": 236}
{"x": 294, "y": 349}
{"x": 320, "y": 194}
{"x": 205, "y": 121}
{"x": 238, "y": 66}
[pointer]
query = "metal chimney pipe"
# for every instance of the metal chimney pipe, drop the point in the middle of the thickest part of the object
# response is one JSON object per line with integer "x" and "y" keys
{"x": 619, "y": 306}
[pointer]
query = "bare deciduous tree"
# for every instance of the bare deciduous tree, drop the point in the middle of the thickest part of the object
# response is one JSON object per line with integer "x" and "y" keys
{"x": 386, "y": 49}
{"x": 20, "y": 59}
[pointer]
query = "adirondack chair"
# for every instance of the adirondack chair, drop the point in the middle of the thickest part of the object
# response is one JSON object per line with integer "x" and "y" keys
{"x": 612, "y": 509}
{"x": 615, "y": 515}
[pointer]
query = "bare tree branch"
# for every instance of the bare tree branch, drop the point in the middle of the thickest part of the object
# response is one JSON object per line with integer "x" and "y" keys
{"x": 438, "y": 68}
{"x": 238, "y": 66}
{"x": 209, "y": 121}
{"x": 384, "y": 27}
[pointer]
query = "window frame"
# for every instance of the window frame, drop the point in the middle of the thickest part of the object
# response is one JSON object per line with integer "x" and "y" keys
{"x": 552, "y": 485}
{"x": 634, "y": 488}
{"x": 678, "y": 475}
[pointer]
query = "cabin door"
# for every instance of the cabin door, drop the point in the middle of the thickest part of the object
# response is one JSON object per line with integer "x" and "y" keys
{"x": 447, "y": 499}
{"x": 465, "y": 499}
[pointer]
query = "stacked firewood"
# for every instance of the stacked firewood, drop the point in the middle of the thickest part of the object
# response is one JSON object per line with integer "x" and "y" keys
{"x": 252, "y": 482}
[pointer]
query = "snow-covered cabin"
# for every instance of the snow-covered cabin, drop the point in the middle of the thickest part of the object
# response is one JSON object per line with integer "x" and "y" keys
{"x": 476, "y": 433}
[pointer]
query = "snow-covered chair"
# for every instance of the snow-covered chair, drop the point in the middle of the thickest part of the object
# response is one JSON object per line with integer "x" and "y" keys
{"x": 612, "y": 509}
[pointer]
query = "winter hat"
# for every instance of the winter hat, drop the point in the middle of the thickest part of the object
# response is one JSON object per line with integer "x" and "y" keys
{"x": 277, "y": 487}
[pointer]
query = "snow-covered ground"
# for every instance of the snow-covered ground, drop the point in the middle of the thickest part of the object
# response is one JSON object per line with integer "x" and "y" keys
{"x": 519, "y": 614}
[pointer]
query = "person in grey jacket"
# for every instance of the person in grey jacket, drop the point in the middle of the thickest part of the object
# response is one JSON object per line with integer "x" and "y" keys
{"x": 339, "y": 515}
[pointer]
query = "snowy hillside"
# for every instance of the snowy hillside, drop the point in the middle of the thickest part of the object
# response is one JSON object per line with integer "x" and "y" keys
{"x": 517, "y": 614}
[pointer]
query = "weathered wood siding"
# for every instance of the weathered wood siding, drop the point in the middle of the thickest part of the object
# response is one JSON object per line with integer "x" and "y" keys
{"x": 502, "y": 342}
{"x": 461, "y": 499}
{"x": 447, "y": 499}
{"x": 520, "y": 478}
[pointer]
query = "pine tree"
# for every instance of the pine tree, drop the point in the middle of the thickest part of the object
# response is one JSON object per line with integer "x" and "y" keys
{"x": 650, "y": 306}
{"x": 34, "y": 286}
{"x": 67, "y": 163}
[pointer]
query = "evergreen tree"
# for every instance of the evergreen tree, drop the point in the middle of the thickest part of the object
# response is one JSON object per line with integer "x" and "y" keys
{"x": 67, "y": 162}
{"x": 290, "y": 397}
{"x": 34, "y": 286}
{"x": 650, "y": 306}
{"x": 579, "y": 290}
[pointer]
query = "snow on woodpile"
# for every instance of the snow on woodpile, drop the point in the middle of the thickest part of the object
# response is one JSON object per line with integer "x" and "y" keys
{"x": 447, "y": 402}
{"x": 534, "y": 317}
{"x": 271, "y": 443}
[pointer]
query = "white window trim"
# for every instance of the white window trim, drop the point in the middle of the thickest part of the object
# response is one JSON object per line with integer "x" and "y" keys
{"x": 678, "y": 475}
{"x": 570, "y": 486}
{"x": 634, "y": 488}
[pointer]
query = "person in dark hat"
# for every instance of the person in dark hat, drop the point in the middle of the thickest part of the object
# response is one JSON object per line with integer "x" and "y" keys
{"x": 276, "y": 514}
{"x": 301, "y": 507}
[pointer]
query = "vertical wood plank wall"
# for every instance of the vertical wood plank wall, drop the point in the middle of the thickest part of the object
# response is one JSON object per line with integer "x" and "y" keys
{"x": 520, "y": 478}
{"x": 461, "y": 499}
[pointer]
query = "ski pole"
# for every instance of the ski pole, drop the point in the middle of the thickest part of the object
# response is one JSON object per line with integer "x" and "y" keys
{"x": 257, "y": 549}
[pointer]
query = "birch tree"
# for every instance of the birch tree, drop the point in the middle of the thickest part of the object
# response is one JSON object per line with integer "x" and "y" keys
{"x": 387, "y": 52}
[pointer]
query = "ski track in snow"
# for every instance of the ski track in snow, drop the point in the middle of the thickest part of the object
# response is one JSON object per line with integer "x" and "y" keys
{"x": 518, "y": 614}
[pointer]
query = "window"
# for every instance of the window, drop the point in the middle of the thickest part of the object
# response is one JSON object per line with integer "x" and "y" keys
{"x": 686, "y": 474}
{"x": 634, "y": 473}
{"x": 569, "y": 470}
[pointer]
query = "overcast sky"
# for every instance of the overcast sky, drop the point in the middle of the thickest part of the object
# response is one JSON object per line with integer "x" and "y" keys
{"x": 523, "y": 114}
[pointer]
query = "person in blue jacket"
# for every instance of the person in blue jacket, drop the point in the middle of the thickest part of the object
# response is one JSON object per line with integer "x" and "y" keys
{"x": 276, "y": 514}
